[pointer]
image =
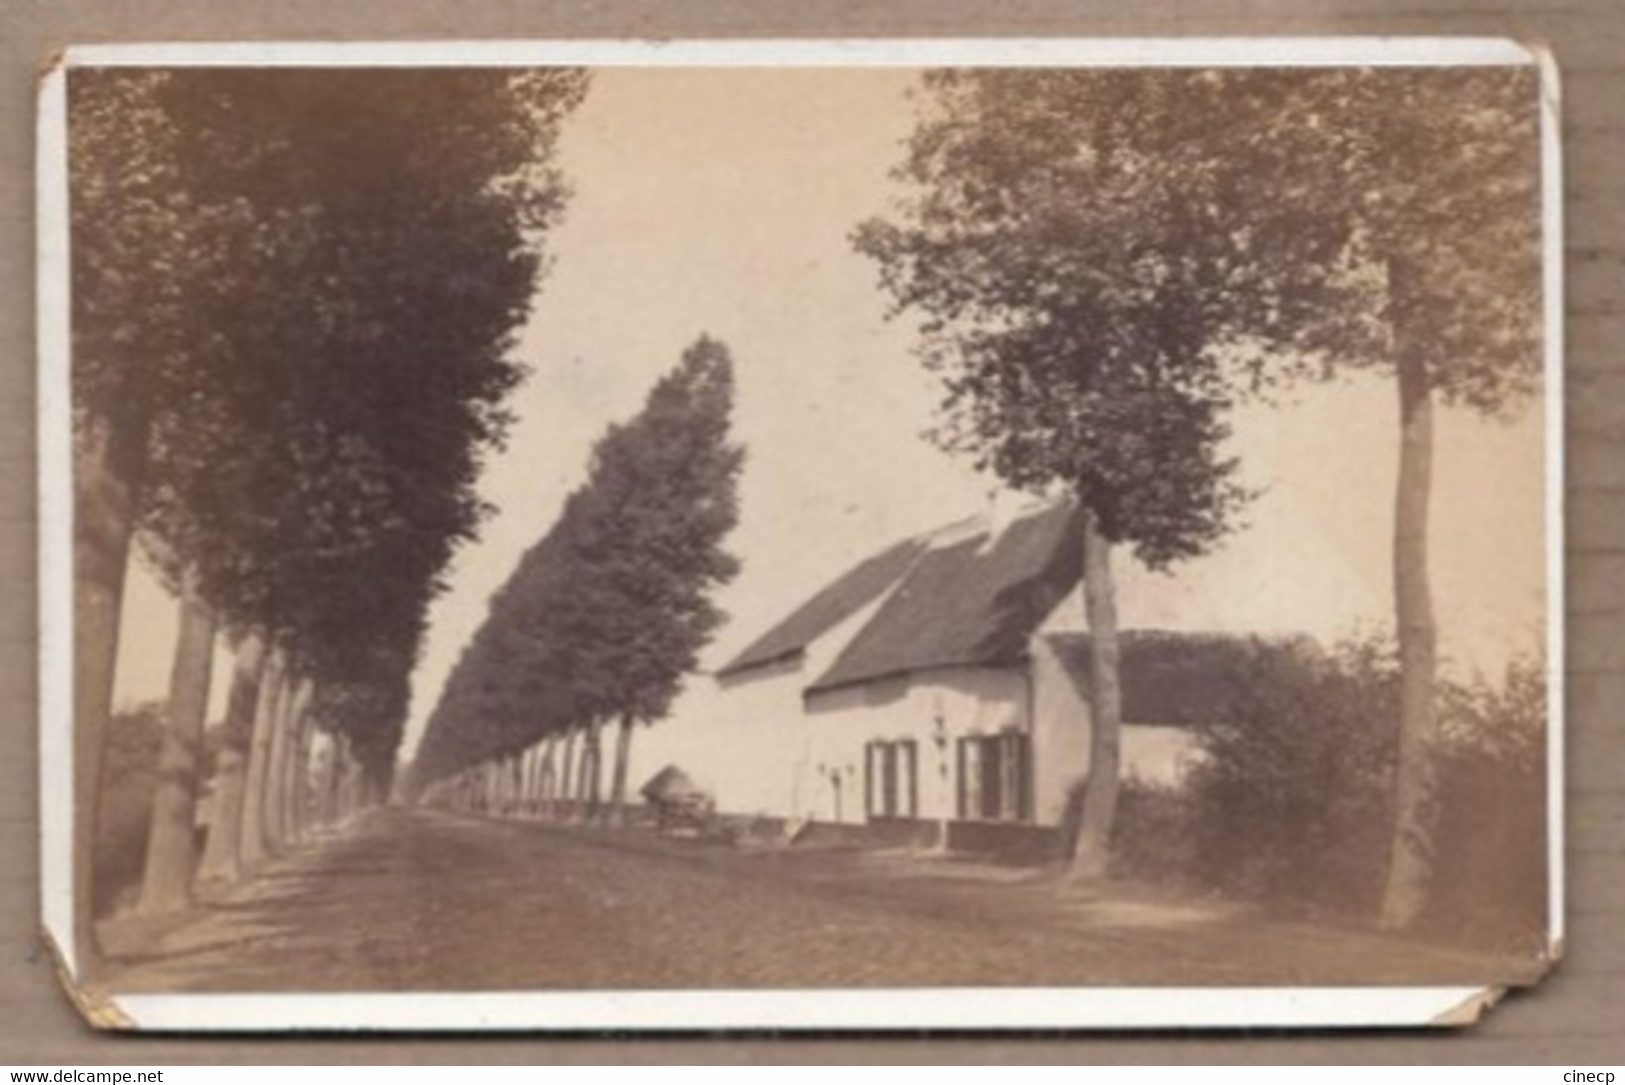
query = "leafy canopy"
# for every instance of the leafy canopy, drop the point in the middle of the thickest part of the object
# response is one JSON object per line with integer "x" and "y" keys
{"x": 1103, "y": 260}
{"x": 299, "y": 296}
{"x": 607, "y": 613}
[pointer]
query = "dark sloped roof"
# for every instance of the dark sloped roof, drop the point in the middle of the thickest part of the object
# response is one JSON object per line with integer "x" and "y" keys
{"x": 972, "y": 602}
{"x": 857, "y": 588}
{"x": 1179, "y": 679}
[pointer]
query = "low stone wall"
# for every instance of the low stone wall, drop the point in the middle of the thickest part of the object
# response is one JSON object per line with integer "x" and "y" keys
{"x": 903, "y": 832}
{"x": 826, "y": 834}
{"x": 1003, "y": 841}
{"x": 1009, "y": 841}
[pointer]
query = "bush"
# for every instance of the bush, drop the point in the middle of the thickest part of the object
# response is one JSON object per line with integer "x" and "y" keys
{"x": 1152, "y": 838}
{"x": 1291, "y": 803}
{"x": 1490, "y": 869}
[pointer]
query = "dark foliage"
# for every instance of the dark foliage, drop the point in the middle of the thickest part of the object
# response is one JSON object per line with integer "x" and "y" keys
{"x": 1103, "y": 260}
{"x": 295, "y": 298}
{"x": 604, "y": 617}
{"x": 1292, "y": 804}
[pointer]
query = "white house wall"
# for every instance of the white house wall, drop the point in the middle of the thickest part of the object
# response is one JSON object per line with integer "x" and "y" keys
{"x": 744, "y": 740}
{"x": 840, "y": 723}
{"x": 758, "y": 749}
{"x": 1060, "y": 734}
{"x": 1147, "y": 752}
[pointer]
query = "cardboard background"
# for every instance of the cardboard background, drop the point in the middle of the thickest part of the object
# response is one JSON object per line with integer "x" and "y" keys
{"x": 1571, "y": 1020}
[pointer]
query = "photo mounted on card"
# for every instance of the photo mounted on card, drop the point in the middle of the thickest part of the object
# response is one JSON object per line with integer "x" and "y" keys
{"x": 800, "y": 534}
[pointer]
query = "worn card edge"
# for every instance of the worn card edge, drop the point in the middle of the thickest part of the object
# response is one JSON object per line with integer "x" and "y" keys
{"x": 1097, "y": 1007}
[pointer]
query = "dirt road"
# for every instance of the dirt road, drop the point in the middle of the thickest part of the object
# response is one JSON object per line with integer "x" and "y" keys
{"x": 418, "y": 900}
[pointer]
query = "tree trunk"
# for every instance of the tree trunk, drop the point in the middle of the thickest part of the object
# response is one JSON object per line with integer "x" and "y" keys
{"x": 220, "y": 851}
{"x": 298, "y": 770}
{"x": 1410, "y": 865}
{"x": 296, "y": 808}
{"x": 327, "y": 805}
{"x": 281, "y": 763}
{"x": 166, "y": 881}
{"x": 273, "y": 691}
{"x": 347, "y": 796}
{"x": 623, "y": 753}
{"x": 527, "y": 786}
{"x": 592, "y": 761}
{"x": 310, "y": 789}
{"x": 1092, "y": 851}
{"x": 567, "y": 773}
{"x": 104, "y": 522}
{"x": 338, "y": 782}
{"x": 293, "y": 731}
{"x": 544, "y": 775}
{"x": 550, "y": 770}
{"x": 277, "y": 766}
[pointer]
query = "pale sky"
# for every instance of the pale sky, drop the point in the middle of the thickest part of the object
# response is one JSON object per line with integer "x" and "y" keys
{"x": 721, "y": 202}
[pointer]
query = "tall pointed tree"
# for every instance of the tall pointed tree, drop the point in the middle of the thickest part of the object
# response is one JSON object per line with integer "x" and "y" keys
{"x": 606, "y": 614}
{"x": 661, "y": 500}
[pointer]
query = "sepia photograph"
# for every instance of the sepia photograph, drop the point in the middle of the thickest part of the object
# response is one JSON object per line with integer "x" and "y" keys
{"x": 958, "y": 534}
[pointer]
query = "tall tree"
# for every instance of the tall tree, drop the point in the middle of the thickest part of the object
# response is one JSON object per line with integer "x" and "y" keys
{"x": 1283, "y": 224}
{"x": 146, "y": 252}
{"x": 167, "y": 877}
{"x": 273, "y": 248}
{"x": 421, "y": 199}
{"x": 1426, "y": 182}
{"x": 221, "y": 858}
{"x": 604, "y": 616}
{"x": 1073, "y": 333}
{"x": 522, "y": 673}
{"x": 661, "y": 499}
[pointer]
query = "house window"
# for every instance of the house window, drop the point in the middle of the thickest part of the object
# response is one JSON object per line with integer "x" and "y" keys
{"x": 891, "y": 779}
{"x": 994, "y": 776}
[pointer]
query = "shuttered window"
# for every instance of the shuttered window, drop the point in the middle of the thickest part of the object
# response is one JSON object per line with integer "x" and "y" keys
{"x": 995, "y": 777}
{"x": 890, "y": 775}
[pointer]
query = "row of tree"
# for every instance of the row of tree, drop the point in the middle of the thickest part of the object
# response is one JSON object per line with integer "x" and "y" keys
{"x": 606, "y": 614}
{"x": 1106, "y": 261}
{"x": 294, "y": 298}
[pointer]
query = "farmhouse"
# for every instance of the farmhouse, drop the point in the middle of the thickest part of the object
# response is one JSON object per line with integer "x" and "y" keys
{"x": 940, "y": 687}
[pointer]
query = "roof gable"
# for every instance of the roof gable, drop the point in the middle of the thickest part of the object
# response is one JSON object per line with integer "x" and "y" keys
{"x": 976, "y": 601}
{"x": 854, "y": 590}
